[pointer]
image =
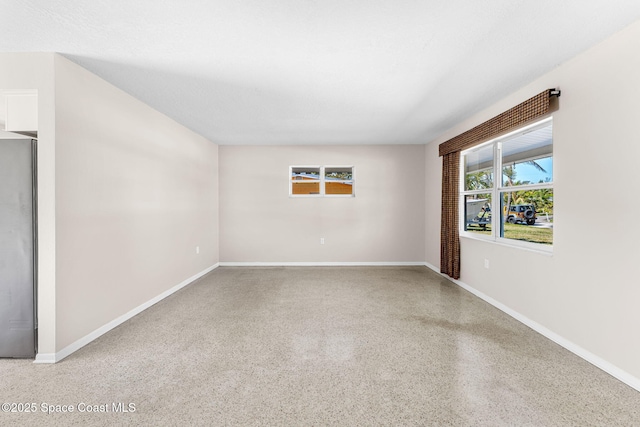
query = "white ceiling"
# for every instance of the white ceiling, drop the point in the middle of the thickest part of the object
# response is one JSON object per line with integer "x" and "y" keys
{"x": 315, "y": 71}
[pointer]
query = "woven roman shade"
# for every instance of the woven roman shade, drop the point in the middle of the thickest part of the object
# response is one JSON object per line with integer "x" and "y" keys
{"x": 528, "y": 111}
{"x": 515, "y": 117}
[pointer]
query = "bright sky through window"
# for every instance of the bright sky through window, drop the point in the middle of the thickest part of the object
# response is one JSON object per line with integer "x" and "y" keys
{"x": 527, "y": 172}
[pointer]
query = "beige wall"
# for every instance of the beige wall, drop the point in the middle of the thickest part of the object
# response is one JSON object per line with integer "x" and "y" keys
{"x": 135, "y": 194}
{"x": 433, "y": 193}
{"x": 259, "y": 222}
{"x": 587, "y": 292}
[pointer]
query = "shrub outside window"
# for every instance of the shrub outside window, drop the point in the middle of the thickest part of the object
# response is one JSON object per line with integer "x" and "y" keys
{"x": 517, "y": 206}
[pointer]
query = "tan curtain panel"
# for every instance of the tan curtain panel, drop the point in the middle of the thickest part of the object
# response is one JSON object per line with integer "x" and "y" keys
{"x": 531, "y": 109}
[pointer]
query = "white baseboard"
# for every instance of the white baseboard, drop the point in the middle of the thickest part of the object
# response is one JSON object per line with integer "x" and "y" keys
{"x": 56, "y": 357}
{"x": 597, "y": 361}
{"x": 436, "y": 269}
{"x": 319, "y": 264}
{"x": 45, "y": 358}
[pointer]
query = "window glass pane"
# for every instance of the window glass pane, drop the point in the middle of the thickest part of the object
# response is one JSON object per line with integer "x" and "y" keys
{"x": 478, "y": 213}
{"x": 528, "y": 158}
{"x": 332, "y": 187}
{"x": 304, "y": 173}
{"x": 478, "y": 169}
{"x": 527, "y": 215}
{"x": 338, "y": 180}
{"x": 301, "y": 187}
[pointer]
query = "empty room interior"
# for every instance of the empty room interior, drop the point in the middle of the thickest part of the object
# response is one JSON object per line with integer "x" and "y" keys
{"x": 319, "y": 213}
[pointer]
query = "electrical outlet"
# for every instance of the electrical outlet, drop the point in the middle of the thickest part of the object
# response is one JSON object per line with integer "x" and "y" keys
{"x": 486, "y": 263}
{"x": 322, "y": 240}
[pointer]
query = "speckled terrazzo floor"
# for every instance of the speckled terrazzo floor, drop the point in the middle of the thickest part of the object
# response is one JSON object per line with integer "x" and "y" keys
{"x": 346, "y": 346}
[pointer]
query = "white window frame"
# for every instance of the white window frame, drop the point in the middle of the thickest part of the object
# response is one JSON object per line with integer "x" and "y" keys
{"x": 322, "y": 181}
{"x": 497, "y": 189}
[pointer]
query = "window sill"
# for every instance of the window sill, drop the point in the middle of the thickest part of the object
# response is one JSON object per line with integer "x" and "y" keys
{"x": 512, "y": 245}
{"x": 339, "y": 196}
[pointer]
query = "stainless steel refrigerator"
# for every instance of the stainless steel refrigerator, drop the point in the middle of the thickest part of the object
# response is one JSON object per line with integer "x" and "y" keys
{"x": 17, "y": 231}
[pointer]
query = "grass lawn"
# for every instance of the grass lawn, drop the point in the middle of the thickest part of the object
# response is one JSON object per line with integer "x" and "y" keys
{"x": 527, "y": 233}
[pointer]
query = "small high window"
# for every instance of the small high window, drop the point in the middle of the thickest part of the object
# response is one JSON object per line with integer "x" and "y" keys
{"x": 320, "y": 181}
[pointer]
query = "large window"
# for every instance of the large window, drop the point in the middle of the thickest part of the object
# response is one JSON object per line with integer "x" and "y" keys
{"x": 506, "y": 189}
{"x": 310, "y": 181}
